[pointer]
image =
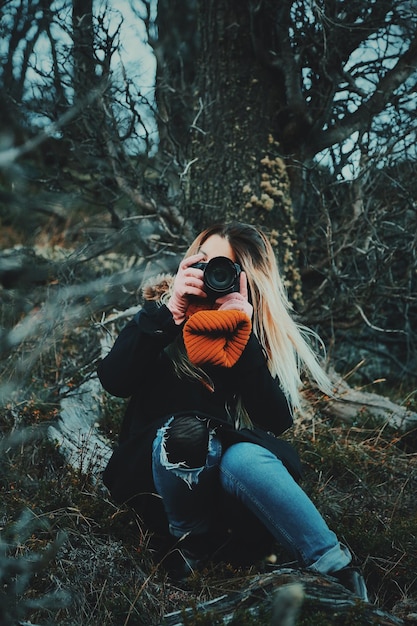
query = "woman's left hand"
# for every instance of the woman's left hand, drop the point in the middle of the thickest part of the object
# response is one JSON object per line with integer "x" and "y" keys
{"x": 237, "y": 300}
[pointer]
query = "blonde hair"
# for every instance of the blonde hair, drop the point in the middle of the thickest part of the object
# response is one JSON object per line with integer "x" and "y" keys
{"x": 287, "y": 344}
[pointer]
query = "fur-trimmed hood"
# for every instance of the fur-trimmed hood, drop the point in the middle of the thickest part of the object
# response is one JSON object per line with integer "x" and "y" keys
{"x": 156, "y": 287}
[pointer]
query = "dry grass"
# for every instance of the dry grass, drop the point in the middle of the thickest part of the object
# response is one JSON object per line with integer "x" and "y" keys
{"x": 104, "y": 569}
{"x": 363, "y": 479}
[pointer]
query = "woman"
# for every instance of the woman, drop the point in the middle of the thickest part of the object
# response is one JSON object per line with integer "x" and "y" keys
{"x": 212, "y": 366}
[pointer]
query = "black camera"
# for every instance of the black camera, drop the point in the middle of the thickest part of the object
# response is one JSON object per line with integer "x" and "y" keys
{"x": 221, "y": 276}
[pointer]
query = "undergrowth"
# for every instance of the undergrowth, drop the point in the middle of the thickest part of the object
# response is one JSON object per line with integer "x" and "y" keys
{"x": 97, "y": 564}
{"x": 360, "y": 479}
{"x": 364, "y": 483}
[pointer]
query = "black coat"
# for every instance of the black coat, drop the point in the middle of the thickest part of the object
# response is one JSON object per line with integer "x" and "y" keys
{"x": 138, "y": 367}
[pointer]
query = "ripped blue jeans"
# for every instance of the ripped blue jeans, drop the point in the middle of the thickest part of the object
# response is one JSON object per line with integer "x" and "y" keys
{"x": 254, "y": 476}
{"x": 188, "y": 495}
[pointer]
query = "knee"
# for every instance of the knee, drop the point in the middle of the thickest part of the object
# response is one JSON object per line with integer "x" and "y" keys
{"x": 187, "y": 441}
{"x": 249, "y": 458}
{"x": 238, "y": 456}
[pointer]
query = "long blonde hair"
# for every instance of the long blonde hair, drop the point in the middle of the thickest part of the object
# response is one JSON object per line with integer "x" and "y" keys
{"x": 286, "y": 343}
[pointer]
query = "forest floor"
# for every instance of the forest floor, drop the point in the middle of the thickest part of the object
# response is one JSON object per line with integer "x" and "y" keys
{"x": 70, "y": 556}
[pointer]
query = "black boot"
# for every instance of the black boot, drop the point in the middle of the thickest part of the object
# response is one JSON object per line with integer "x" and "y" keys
{"x": 191, "y": 563}
{"x": 351, "y": 578}
{"x": 191, "y": 556}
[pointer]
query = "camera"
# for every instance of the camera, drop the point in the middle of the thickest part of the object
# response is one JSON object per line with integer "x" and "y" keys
{"x": 221, "y": 276}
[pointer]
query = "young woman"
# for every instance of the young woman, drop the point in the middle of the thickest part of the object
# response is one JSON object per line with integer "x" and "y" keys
{"x": 212, "y": 365}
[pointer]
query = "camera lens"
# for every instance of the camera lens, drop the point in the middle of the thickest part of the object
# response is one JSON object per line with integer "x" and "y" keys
{"x": 220, "y": 274}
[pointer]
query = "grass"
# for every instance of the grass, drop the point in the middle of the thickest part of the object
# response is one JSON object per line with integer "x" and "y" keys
{"x": 81, "y": 560}
{"x": 364, "y": 483}
{"x": 360, "y": 478}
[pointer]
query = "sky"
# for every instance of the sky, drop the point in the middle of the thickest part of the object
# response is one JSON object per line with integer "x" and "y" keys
{"x": 136, "y": 57}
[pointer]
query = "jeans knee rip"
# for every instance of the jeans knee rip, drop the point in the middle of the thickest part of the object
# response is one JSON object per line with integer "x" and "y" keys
{"x": 189, "y": 475}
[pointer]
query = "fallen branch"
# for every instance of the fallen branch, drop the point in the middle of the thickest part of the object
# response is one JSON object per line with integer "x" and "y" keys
{"x": 351, "y": 402}
{"x": 264, "y": 592}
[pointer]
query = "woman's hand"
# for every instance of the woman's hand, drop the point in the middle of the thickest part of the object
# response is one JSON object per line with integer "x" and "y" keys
{"x": 237, "y": 301}
{"x": 187, "y": 282}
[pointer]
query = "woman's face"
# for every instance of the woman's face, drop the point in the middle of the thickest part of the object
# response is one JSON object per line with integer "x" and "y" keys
{"x": 217, "y": 246}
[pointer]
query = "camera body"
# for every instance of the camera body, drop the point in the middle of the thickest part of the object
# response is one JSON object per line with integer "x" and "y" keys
{"x": 221, "y": 276}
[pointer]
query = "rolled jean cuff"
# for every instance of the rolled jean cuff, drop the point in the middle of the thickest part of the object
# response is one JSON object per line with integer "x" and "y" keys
{"x": 333, "y": 560}
{"x": 183, "y": 530}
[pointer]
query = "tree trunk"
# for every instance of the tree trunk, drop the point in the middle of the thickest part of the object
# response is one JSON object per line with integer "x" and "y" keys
{"x": 176, "y": 50}
{"x": 235, "y": 166}
{"x": 83, "y": 55}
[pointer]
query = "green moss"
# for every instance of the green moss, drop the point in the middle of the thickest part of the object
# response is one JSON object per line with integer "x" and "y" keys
{"x": 312, "y": 614}
{"x": 262, "y": 617}
{"x": 193, "y": 617}
{"x": 242, "y": 617}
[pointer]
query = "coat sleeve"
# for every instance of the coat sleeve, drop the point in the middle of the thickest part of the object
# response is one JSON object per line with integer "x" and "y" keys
{"x": 138, "y": 346}
{"x": 262, "y": 395}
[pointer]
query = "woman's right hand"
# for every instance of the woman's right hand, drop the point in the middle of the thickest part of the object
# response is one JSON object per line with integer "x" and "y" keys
{"x": 188, "y": 282}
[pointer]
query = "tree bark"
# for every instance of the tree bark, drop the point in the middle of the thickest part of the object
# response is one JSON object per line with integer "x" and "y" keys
{"x": 235, "y": 167}
{"x": 84, "y": 75}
